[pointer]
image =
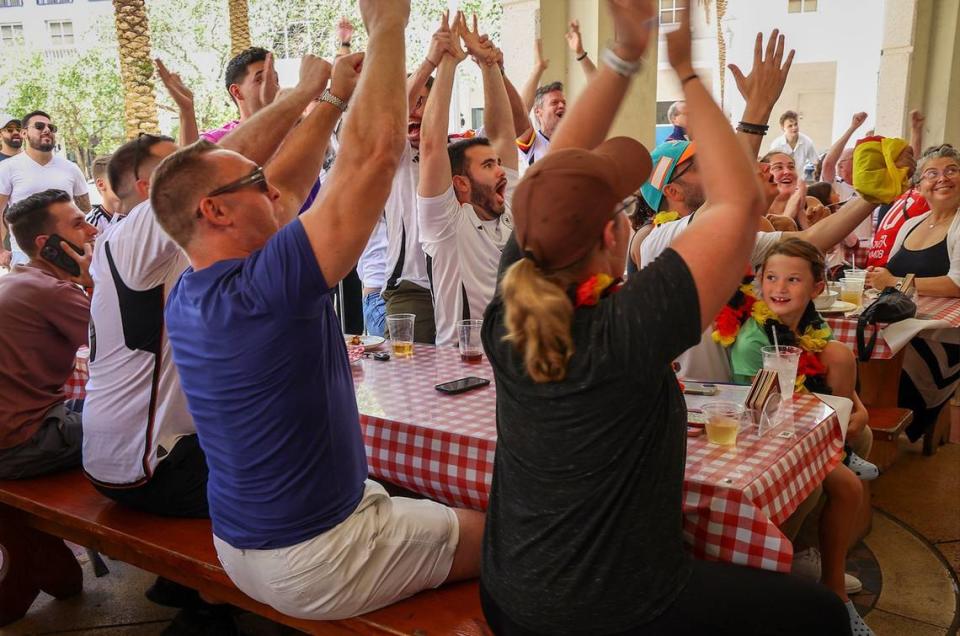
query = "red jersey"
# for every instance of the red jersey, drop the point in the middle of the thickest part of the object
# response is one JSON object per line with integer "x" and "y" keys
{"x": 909, "y": 205}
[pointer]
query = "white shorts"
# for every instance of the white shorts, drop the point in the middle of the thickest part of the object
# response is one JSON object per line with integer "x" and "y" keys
{"x": 388, "y": 549}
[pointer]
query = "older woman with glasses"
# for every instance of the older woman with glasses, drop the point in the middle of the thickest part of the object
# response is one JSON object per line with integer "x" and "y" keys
{"x": 928, "y": 246}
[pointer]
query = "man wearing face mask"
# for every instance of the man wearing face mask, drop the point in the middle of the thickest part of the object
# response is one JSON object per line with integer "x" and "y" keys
{"x": 35, "y": 170}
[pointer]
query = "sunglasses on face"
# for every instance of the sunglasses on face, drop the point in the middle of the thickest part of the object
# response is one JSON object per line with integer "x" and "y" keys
{"x": 255, "y": 178}
{"x": 39, "y": 125}
{"x": 12, "y": 128}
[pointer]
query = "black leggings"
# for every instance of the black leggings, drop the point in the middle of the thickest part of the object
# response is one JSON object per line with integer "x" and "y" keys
{"x": 720, "y": 598}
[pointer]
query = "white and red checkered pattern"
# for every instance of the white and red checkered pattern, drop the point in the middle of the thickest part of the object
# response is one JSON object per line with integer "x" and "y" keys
{"x": 929, "y": 308}
{"x": 76, "y": 386}
{"x": 442, "y": 446}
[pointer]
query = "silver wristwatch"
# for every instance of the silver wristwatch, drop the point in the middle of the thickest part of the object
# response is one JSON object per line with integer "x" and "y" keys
{"x": 330, "y": 98}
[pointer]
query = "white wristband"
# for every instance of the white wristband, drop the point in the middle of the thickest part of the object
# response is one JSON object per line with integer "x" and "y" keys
{"x": 619, "y": 65}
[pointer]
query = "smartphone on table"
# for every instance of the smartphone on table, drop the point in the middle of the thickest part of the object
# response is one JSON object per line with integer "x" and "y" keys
{"x": 461, "y": 385}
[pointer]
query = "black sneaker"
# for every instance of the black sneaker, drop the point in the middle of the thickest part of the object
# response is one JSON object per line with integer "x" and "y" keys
{"x": 170, "y": 594}
{"x": 209, "y": 620}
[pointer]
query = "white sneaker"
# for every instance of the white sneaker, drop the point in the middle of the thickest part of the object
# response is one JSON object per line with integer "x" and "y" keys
{"x": 857, "y": 626}
{"x": 865, "y": 470}
{"x": 806, "y": 565}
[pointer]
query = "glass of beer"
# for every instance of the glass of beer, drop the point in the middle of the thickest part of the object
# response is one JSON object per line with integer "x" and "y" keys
{"x": 723, "y": 422}
{"x": 400, "y": 327}
{"x": 471, "y": 349}
{"x": 851, "y": 290}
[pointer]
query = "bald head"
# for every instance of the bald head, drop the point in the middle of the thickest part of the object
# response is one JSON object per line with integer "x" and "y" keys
{"x": 845, "y": 166}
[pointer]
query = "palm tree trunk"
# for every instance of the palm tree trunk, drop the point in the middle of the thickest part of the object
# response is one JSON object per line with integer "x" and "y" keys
{"x": 136, "y": 68}
{"x": 239, "y": 26}
{"x": 721, "y": 12}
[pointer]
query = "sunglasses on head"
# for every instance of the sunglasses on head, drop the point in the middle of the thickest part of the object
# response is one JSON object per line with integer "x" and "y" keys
{"x": 39, "y": 125}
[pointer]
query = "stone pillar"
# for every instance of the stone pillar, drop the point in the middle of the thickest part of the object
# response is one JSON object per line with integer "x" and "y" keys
{"x": 637, "y": 117}
{"x": 920, "y": 68}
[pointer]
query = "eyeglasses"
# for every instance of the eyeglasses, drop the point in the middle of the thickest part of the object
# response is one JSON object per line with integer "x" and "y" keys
{"x": 12, "y": 128}
{"x": 685, "y": 170}
{"x": 626, "y": 204}
{"x": 933, "y": 174}
{"x": 256, "y": 178}
{"x": 39, "y": 125}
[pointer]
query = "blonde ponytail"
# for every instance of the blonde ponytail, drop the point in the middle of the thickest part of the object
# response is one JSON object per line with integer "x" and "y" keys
{"x": 538, "y": 319}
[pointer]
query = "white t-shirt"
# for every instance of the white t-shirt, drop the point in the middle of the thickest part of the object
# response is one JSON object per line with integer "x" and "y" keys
{"x": 846, "y": 192}
{"x": 21, "y": 176}
{"x": 707, "y": 361}
{"x": 405, "y": 260}
{"x": 464, "y": 253}
{"x": 804, "y": 153}
{"x": 535, "y": 152}
{"x": 372, "y": 267}
{"x": 135, "y": 409}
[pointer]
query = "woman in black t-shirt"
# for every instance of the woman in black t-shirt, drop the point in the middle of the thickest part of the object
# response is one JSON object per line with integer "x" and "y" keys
{"x": 583, "y": 531}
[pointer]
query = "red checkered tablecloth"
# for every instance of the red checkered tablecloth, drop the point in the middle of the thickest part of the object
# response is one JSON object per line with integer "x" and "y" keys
{"x": 76, "y": 386}
{"x": 442, "y": 446}
{"x": 928, "y": 308}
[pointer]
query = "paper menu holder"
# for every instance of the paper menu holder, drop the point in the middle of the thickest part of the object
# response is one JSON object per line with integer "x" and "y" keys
{"x": 764, "y": 400}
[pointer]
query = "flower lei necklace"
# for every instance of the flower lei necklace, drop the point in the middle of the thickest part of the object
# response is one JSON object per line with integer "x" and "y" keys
{"x": 812, "y": 339}
{"x": 664, "y": 217}
{"x": 590, "y": 291}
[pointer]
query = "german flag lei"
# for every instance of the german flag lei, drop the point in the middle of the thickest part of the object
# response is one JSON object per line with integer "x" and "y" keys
{"x": 815, "y": 333}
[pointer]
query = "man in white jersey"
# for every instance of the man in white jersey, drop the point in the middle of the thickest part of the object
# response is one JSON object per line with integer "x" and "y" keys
{"x": 140, "y": 444}
{"x": 549, "y": 107}
{"x": 38, "y": 169}
{"x": 464, "y": 189}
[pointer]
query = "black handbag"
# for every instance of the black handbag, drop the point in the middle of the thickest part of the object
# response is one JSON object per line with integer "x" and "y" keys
{"x": 891, "y": 306}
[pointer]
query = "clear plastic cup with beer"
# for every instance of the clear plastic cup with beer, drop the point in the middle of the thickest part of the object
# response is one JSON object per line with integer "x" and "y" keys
{"x": 400, "y": 327}
{"x": 724, "y": 420}
{"x": 471, "y": 348}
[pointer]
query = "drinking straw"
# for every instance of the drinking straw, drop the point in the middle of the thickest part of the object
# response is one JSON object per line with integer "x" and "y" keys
{"x": 776, "y": 344}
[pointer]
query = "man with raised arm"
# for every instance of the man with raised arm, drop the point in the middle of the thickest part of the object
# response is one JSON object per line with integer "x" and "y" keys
{"x": 464, "y": 191}
{"x": 296, "y": 523}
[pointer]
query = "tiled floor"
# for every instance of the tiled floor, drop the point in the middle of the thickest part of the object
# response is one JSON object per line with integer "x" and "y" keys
{"x": 908, "y": 583}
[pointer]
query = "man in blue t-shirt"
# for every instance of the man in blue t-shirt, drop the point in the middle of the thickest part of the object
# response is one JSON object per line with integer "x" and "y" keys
{"x": 296, "y": 522}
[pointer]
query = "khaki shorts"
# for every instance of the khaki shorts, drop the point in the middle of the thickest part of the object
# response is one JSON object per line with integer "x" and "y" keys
{"x": 388, "y": 549}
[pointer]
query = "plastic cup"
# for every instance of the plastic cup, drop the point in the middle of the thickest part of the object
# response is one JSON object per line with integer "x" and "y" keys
{"x": 724, "y": 420}
{"x": 401, "y": 334}
{"x": 471, "y": 348}
{"x": 851, "y": 290}
{"x": 855, "y": 273}
{"x": 783, "y": 360}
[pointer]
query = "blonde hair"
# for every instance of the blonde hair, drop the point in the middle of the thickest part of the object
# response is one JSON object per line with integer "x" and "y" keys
{"x": 539, "y": 314}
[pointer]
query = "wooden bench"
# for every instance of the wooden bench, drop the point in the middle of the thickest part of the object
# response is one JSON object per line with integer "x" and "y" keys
{"x": 67, "y": 506}
{"x": 887, "y": 423}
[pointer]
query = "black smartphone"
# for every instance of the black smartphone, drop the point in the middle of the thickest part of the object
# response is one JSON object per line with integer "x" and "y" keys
{"x": 461, "y": 385}
{"x": 53, "y": 252}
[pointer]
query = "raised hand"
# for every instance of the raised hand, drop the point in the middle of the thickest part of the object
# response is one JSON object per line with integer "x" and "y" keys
{"x": 917, "y": 119}
{"x": 858, "y": 119}
{"x": 181, "y": 95}
{"x": 441, "y": 42}
{"x": 477, "y": 45}
{"x": 84, "y": 279}
{"x": 271, "y": 83}
{"x": 539, "y": 62}
{"x": 635, "y": 25}
{"x": 314, "y": 75}
{"x": 765, "y": 82}
{"x": 457, "y": 54}
{"x": 574, "y": 39}
{"x": 346, "y": 74}
{"x": 376, "y": 13}
{"x": 344, "y": 30}
{"x": 680, "y": 44}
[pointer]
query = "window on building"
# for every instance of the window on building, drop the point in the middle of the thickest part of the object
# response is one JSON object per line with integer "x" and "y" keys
{"x": 42, "y": 2}
{"x": 670, "y": 12}
{"x": 11, "y": 3}
{"x": 61, "y": 32}
{"x": 476, "y": 118}
{"x": 801, "y": 6}
{"x": 11, "y": 34}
